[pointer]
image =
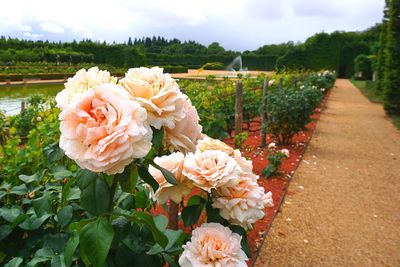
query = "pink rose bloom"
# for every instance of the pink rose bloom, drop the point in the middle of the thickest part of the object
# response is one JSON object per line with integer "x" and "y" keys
{"x": 158, "y": 93}
{"x": 81, "y": 82}
{"x": 105, "y": 130}
{"x": 244, "y": 203}
{"x": 211, "y": 169}
{"x": 186, "y": 132}
{"x": 173, "y": 163}
{"x": 213, "y": 245}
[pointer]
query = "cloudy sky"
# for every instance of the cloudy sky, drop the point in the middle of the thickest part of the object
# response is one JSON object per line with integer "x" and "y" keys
{"x": 235, "y": 24}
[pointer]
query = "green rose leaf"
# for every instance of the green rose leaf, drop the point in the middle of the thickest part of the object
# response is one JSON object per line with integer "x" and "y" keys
{"x": 70, "y": 247}
{"x": 10, "y": 214}
{"x": 58, "y": 261}
{"x": 95, "y": 193}
{"x": 95, "y": 241}
{"x": 158, "y": 135}
{"x": 64, "y": 216}
{"x": 42, "y": 255}
{"x": 5, "y": 230}
{"x": 42, "y": 205}
{"x": 159, "y": 237}
{"x": 169, "y": 176}
{"x": 62, "y": 173}
{"x": 191, "y": 214}
{"x": 14, "y": 262}
{"x": 29, "y": 178}
{"x": 140, "y": 199}
{"x": 34, "y": 222}
{"x": 19, "y": 190}
{"x": 147, "y": 178}
{"x": 128, "y": 179}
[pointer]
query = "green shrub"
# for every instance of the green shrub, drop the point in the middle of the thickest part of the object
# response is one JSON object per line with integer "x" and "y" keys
{"x": 289, "y": 111}
{"x": 391, "y": 92}
{"x": 275, "y": 159}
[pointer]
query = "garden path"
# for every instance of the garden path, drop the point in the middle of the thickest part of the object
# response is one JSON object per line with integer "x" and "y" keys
{"x": 343, "y": 205}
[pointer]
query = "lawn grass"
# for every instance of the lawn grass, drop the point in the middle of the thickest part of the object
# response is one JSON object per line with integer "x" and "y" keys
{"x": 367, "y": 89}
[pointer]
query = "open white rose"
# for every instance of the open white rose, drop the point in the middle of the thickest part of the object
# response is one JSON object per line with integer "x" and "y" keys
{"x": 242, "y": 204}
{"x": 158, "y": 93}
{"x": 104, "y": 130}
{"x": 81, "y": 82}
{"x": 208, "y": 143}
{"x": 285, "y": 152}
{"x": 211, "y": 169}
{"x": 173, "y": 163}
{"x": 271, "y": 145}
{"x": 213, "y": 245}
{"x": 271, "y": 82}
{"x": 183, "y": 137}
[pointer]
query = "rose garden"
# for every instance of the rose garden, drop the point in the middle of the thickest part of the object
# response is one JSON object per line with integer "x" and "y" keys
{"x": 157, "y": 152}
{"x": 126, "y": 172}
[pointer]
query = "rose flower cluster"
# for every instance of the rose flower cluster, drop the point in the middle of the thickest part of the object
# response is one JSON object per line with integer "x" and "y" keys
{"x": 107, "y": 123}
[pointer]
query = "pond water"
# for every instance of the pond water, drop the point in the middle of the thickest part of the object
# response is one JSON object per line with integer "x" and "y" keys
{"x": 12, "y": 96}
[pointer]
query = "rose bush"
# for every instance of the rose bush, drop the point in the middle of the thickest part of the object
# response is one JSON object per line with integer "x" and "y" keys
{"x": 125, "y": 146}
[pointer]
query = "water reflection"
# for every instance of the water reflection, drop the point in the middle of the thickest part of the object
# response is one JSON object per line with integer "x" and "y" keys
{"x": 12, "y": 96}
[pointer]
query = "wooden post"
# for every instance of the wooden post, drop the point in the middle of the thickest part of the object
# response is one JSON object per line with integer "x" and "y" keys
{"x": 22, "y": 106}
{"x": 293, "y": 81}
{"x": 239, "y": 107}
{"x": 264, "y": 115}
{"x": 173, "y": 215}
{"x": 5, "y": 134}
{"x": 280, "y": 85}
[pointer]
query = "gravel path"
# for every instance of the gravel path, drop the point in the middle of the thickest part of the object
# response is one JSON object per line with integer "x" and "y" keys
{"x": 343, "y": 206}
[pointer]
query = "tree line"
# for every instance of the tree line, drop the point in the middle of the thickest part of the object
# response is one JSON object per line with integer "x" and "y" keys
{"x": 335, "y": 51}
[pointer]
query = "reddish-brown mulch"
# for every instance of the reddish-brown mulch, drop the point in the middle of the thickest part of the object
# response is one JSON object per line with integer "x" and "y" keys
{"x": 277, "y": 185}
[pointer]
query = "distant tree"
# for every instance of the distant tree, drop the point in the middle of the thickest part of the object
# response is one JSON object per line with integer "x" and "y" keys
{"x": 130, "y": 41}
{"x": 392, "y": 57}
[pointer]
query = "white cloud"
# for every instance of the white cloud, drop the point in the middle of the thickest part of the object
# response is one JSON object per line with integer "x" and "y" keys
{"x": 239, "y": 25}
{"x": 51, "y": 27}
{"x": 33, "y": 36}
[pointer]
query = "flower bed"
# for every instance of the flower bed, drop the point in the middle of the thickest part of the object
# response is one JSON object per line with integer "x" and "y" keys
{"x": 130, "y": 140}
{"x": 277, "y": 184}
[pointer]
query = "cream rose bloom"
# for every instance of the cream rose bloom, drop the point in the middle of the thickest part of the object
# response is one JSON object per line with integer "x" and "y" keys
{"x": 81, "y": 82}
{"x": 245, "y": 164}
{"x": 211, "y": 169}
{"x": 208, "y": 143}
{"x": 186, "y": 132}
{"x": 158, "y": 93}
{"x": 105, "y": 130}
{"x": 242, "y": 204}
{"x": 173, "y": 163}
{"x": 213, "y": 245}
